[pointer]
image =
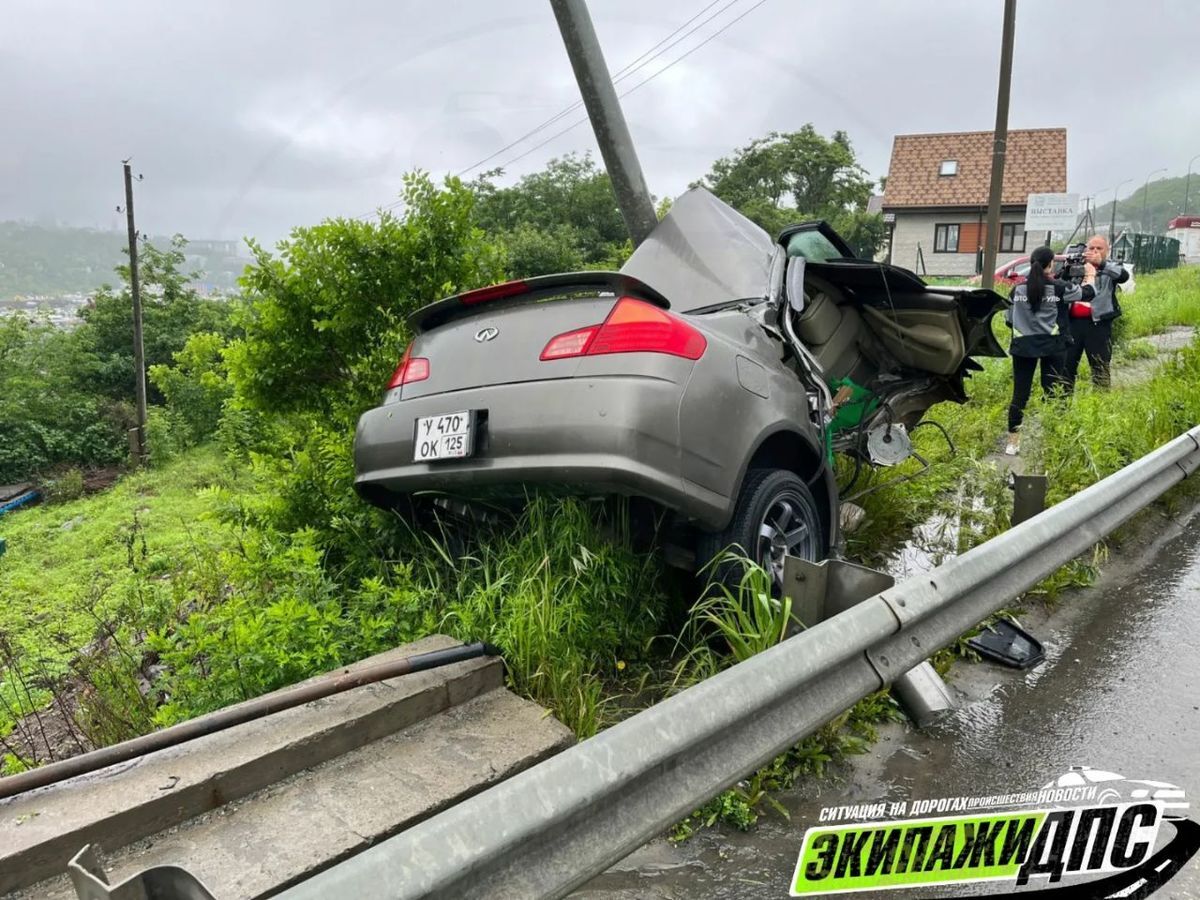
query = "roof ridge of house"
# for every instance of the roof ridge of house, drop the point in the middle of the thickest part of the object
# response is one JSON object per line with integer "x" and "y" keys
{"x": 984, "y": 131}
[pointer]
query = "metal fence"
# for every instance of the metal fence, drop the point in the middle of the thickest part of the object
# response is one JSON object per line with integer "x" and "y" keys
{"x": 550, "y": 829}
{"x": 1148, "y": 252}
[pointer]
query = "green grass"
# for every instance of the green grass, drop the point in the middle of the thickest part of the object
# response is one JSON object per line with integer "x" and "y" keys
{"x": 948, "y": 281}
{"x": 571, "y": 610}
{"x": 1171, "y": 297}
{"x": 170, "y": 563}
{"x": 73, "y": 569}
{"x": 63, "y": 558}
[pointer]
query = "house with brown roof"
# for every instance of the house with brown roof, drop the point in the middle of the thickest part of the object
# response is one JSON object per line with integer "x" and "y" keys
{"x": 936, "y": 196}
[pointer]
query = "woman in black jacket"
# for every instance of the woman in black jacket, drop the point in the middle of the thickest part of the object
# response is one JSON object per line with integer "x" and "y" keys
{"x": 1038, "y": 317}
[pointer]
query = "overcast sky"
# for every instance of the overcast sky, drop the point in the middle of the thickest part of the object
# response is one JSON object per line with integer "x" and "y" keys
{"x": 249, "y": 118}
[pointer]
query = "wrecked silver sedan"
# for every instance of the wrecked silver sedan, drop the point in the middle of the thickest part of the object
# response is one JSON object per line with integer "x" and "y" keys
{"x": 714, "y": 376}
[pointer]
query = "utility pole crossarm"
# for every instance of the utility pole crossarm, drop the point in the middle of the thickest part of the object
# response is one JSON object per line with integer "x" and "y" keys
{"x": 608, "y": 122}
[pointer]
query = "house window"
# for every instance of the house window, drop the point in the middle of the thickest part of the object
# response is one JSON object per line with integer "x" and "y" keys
{"x": 1012, "y": 238}
{"x": 945, "y": 238}
{"x": 948, "y": 167}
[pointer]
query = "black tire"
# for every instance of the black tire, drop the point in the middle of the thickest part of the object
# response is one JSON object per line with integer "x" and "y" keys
{"x": 775, "y": 514}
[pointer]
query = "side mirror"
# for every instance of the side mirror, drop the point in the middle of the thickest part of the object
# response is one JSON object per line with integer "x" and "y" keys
{"x": 795, "y": 284}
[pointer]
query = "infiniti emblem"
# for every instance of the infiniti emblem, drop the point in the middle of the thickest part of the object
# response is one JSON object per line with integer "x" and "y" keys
{"x": 486, "y": 334}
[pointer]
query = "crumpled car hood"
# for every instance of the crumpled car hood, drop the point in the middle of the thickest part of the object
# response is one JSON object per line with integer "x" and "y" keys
{"x": 704, "y": 252}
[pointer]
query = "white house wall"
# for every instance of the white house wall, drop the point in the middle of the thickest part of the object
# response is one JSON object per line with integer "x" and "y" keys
{"x": 917, "y": 228}
{"x": 1189, "y": 243}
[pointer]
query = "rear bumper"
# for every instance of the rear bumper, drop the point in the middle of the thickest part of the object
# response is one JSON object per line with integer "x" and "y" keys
{"x": 601, "y": 435}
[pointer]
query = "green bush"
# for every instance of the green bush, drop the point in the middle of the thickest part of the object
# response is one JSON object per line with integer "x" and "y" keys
{"x": 67, "y": 486}
{"x": 45, "y": 420}
{"x": 196, "y": 387}
{"x": 168, "y": 434}
{"x": 324, "y": 321}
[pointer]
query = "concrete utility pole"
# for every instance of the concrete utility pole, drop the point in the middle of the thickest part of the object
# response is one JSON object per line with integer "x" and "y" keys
{"x": 608, "y": 122}
{"x": 1146, "y": 196}
{"x": 999, "y": 143}
{"x": 137, "y": 437}
{"x": 1112, "y": 224}
{"x": 1187, "y": 185}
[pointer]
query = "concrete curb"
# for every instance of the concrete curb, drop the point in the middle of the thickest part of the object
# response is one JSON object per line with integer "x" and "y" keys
{"x": 40, "y": 830}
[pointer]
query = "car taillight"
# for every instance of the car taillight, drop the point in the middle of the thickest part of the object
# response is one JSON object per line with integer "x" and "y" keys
{"x": 411, "y": 368}
{"x": 633, "y": 326}
{"x": 573, "y": 343}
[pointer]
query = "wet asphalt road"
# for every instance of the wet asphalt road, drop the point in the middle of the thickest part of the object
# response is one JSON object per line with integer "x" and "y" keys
{"x": 1119, "y": 691}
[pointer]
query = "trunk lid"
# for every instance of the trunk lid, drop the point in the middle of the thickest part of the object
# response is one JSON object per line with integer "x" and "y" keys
{"x": 496, "y": 335}
{"x": 502, "y": 345}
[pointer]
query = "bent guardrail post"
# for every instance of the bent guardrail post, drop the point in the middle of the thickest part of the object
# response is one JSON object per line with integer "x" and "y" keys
{"x": 823, "y": 589}
{"x": 156, "y": 883}
{"x": 1029, "y": 496}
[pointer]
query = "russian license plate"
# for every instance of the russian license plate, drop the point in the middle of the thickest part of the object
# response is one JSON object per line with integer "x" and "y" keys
{"x": 444, "y": 437}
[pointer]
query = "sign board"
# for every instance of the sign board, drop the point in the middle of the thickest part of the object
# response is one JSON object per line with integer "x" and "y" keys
{"x": 1051, "y": 212}
{"x": 889, "y": 218}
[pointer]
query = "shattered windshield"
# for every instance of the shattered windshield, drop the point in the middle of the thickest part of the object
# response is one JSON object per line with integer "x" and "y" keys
{"x": 703, "y": 253}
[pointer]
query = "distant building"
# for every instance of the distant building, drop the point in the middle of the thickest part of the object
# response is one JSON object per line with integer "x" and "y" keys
{"x": 936, "y": 198}
{"x": 1186, "y": 230}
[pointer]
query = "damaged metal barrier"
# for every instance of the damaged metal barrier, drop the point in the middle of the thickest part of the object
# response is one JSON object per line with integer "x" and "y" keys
{"x": 824, "y": 589}
{"x": 157, "y": 883}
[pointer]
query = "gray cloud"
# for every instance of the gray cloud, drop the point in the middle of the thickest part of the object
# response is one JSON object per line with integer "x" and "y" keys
{"x": 250, "y": 118}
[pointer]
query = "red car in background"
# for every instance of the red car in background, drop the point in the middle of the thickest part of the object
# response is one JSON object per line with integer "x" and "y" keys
{"x": 1016, "y": 271}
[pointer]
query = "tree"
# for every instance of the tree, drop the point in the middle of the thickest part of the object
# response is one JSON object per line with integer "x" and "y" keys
{"x": 541, "y": 251}
{"x": 171, "y": 312}
{"x": 324, "y": 320}
{"x": 785, "y": 178}
{"x": 44, "y": 420}
{"x": 562, "y": 218}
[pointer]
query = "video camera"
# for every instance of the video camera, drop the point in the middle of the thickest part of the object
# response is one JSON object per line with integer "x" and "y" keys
{"x": 1072, "y": 267}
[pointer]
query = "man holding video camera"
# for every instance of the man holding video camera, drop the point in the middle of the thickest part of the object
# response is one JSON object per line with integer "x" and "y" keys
{"x": 1092, "y": 317}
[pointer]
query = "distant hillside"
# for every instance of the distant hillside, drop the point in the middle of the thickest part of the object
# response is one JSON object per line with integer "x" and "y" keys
{"x": 40, "y": 260}
{"x": 1164, "y": 201}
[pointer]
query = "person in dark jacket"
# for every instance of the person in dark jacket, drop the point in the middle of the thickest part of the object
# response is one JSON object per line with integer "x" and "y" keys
{"x": 1038, "y": 317}
{"x": 1092, "y": 317}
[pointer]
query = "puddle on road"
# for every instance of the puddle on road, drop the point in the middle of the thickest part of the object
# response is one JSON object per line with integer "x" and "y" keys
{"x": 935, "y": 540}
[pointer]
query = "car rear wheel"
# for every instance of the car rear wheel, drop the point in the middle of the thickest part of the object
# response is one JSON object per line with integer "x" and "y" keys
{"x": 775, "y": 516}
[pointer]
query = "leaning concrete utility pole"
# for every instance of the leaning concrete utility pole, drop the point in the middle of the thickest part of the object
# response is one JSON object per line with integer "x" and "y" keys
{"x": 137, "y": 442}
{"x": 999, "y": 144}
{"x": 608, "y": 122}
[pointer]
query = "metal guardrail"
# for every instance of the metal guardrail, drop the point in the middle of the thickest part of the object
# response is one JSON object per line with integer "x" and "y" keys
{"x": 550, "y": 829}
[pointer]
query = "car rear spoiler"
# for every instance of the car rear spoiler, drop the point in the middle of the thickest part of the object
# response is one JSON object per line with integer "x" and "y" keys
{"x": 528, "y": 290}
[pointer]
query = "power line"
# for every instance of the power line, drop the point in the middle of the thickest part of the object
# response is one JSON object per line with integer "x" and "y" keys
{"x": 624, "y": 72}
{"x": 646, "y": 81}
{"x": 630, "y": 68}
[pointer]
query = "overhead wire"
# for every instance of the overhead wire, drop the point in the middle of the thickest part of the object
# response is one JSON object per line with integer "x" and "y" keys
{"x": 629, "y": 69}
{"x": 648, "y": 56}
{"x": 642, "y": 83}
